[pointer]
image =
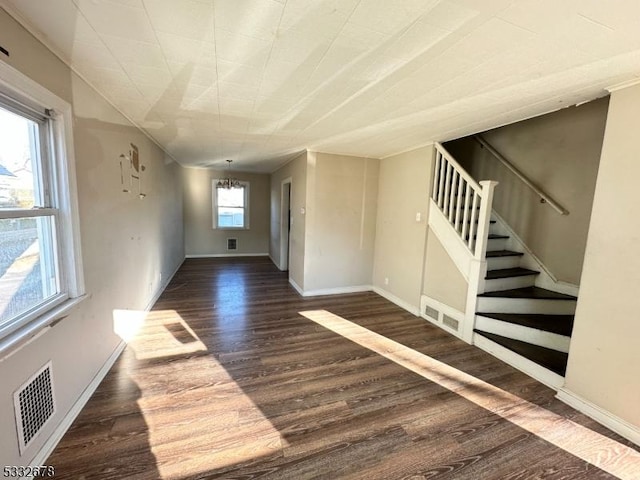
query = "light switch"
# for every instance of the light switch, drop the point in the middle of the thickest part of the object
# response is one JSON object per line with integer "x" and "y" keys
{"x": 418, "y": 217}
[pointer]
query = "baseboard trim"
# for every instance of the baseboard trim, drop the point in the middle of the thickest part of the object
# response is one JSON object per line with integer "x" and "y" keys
{"x": 334, "y": 291}
{"x": 162, "y": 287}
{"x": 398, "y": 301}
{"x": 224, "y": 255}
{"x": 600, "y": 415}
{"x": 541, "y": 374}
{"x": 296, "y": 287}
{"x": 41, "y": 457}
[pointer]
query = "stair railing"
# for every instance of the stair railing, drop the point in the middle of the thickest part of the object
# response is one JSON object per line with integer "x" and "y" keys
{"x": 463, "y": 201}
{"x": 544, "y": 198}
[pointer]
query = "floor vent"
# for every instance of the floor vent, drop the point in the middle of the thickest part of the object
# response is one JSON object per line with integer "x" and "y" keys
{"x": 232, "y": 243}
{"x": 34, "y": 406}
{"x": 431, "y": 312}
{"x": 450, "y": 322}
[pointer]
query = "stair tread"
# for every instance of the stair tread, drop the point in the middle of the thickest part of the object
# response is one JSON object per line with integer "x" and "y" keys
{"x": 509, "y": 272}
{"x": 495, "y": 235}
{"x": 529, "y": 292}
{"x": 560, "y": 324}
{"x": 503, "y": 253}
{"x": 545, "y": 357}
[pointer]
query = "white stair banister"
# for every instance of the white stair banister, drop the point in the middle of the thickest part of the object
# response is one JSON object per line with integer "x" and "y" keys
{"x": 488, "y": 187}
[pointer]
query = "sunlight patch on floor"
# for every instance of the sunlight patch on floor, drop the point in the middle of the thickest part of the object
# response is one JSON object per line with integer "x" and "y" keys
{"x": 603, "y": 452}
{"x": 211, "y": 422}
{"x": 165, "y": 333}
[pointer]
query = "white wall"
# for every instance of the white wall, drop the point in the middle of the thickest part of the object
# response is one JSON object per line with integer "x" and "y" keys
{"x": 605, "y": 348}
{"x": 200, "y": 236}
{"x": 442, "y": 279}
{"x": 342, "y": 193}
{"x": 400, "y": 240}
{"x": 130, "y": 246}
{"x": 296, "y": 170}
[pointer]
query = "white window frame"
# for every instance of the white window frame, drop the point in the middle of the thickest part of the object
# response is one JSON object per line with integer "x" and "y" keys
{"x": 214, "y": 204}
{"x": 62, "y": 205}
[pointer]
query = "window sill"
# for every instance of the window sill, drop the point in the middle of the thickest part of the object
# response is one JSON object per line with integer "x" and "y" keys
{"x": 37, "y": 327}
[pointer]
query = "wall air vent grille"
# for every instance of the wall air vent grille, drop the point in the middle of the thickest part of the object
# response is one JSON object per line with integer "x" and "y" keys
{"x": 34, "y": 406}
{"x": 431, "y": 312}
{"x": 232, "y": 243}
{"x": 450, "y": 322}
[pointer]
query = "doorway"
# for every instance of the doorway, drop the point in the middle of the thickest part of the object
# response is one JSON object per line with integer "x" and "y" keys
{"x": 285, "y": 223}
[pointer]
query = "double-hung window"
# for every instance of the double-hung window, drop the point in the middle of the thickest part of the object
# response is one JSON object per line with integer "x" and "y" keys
{"x": 40, "y": 271}
{"x": 231, "y": 206}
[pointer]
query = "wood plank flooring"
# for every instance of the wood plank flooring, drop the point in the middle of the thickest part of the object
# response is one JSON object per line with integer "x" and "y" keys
{"x": 227, "y": 379}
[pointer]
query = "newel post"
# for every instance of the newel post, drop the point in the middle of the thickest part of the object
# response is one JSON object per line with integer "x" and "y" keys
{"x": 478, "y": 266}
{"x": 484, "y": 216}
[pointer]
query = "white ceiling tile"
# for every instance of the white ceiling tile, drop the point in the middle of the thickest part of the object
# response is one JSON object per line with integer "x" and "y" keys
{"x": 133, "y": 51}
{"x": 179, "y": 50}
{"x": 192, "y": 19}
{"x": 256, "y": 18}
{"x": 242, "y": 49}
{"x": 117, "y": 20}
{"x": 377, "y": 14}
{"x": 148, "y": 75}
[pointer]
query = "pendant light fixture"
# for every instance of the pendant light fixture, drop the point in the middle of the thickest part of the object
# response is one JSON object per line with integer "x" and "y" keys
{"x": 229, "y": 182}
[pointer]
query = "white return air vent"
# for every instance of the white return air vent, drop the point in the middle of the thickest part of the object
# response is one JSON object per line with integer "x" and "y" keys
{"x": 34, "y": 406}
{"x": 232, "y": 243}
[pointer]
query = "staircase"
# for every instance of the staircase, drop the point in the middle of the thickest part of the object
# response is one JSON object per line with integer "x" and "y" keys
{"x": 518, "y": 321}
{"x": 507, "y": 314}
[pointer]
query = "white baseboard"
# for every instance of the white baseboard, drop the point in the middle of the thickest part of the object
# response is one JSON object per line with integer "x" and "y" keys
{"x": 600, "y": 415}
{"x": 398, "y": 301}
{"x": 296, "y": 287}
{"x": 162, "y": 287}
{"x": 549, "y": 378}
{"x": 41, "y": 457}
{"x": 331, "y": 291}
{"x": 224, "y": 255}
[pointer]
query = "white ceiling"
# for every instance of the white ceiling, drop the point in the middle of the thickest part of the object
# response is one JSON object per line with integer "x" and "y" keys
{"x": 258, "y": 80}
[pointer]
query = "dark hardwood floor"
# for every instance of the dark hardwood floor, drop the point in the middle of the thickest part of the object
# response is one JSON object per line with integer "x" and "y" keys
{"x": 235, "y": 376}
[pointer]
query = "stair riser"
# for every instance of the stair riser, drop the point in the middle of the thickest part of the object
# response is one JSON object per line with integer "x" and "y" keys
{"x": 524, "y": 334}
{"x": 498, "y": 263}
{"x": 549, "y": 378}
{"x": 497, "y": 244}
{"x": 508, "y": 283}
{"x": 526, "y": 305}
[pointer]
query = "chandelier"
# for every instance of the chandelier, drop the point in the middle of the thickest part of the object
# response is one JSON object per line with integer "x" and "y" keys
{"x": 229, "y": 182}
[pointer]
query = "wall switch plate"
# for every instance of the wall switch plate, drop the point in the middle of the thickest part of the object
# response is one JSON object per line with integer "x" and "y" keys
{"x": 418, "y": 217}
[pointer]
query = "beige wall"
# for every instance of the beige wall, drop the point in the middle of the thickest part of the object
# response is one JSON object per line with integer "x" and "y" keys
{"x": 200, "y": 236}
{"x": 442, "y": 279}
{"x": 130, "y": 246}
{"x": 605, "y": 350}
{"x": 342, "y": 192}
{"x": 296, "y": 170}
{"x": 400, "y": 240}
{"x": 560, "y": 153}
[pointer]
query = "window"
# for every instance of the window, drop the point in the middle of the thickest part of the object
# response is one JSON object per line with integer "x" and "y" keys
{"x": 40, "y": 272}
{"x": 231, "y": 206}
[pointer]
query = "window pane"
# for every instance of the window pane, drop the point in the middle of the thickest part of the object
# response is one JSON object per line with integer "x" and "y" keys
{"x": 27, "y": 272}
{"x": 230, "y": 217}
{"x": 231, "y": 197}
{"x": 18, "y": 155}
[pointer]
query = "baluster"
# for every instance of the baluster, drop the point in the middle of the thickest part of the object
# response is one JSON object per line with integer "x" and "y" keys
{"x": 447, "y": 187}
{"x": 443, "y": 170}
{"x": 452, "y": 195}
{"x": 465, "y": 220}
{"x": 436, "y": 175}
{"x": 461, "y": 186}
{"x": 473, "y": 228}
